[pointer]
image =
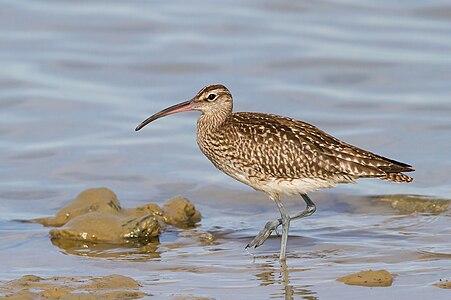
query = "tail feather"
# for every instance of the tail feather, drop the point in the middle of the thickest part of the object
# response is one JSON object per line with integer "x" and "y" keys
{"x": 397, "y": 177}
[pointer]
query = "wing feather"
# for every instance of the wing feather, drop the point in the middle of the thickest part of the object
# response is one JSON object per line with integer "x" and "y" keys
{"x": 284, "y": 147}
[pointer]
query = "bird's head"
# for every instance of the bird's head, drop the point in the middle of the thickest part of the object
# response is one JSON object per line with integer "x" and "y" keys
{"x": 211, "y": 100}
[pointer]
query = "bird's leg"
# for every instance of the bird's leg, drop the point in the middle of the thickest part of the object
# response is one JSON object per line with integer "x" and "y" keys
{"x": 271, "y": 226}
{"x": 308, "y": 211}
{"x": 285, "y": 228}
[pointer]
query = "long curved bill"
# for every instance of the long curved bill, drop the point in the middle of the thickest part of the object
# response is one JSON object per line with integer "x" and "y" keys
{"x": 184, "y": 106}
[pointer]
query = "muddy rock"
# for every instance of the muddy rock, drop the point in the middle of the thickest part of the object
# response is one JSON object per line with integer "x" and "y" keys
{"x": 368, "y": 278}
{"x": 90, "y": 200}
{"x": 96, "y": 215}
{"x": 110, "y": 228}
{"x": 444, "y": 284}
{"x": 180, "y": 212}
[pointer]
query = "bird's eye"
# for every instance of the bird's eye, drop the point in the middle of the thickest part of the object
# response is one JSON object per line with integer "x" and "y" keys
{"x": 211, "y": 97}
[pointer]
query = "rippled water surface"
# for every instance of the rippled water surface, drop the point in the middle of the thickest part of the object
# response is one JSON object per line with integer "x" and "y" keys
{"x": 76, "y": 77}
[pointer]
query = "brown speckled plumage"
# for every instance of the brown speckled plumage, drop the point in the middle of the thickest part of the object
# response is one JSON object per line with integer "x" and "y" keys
{"x": 256, "y": 148}
{"x": 278, "y": 155}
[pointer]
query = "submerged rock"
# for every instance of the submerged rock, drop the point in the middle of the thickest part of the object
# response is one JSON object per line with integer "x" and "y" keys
{"x": 368, "y": 278}
{"x": 413, "y": 203}
{"x": 97, "y": 216}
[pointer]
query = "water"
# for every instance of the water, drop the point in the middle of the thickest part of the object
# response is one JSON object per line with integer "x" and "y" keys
{"x": 77, "y": 77}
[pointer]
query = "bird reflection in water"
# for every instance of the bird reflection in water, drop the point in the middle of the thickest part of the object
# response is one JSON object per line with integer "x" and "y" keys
{"x": 280, "y": 275}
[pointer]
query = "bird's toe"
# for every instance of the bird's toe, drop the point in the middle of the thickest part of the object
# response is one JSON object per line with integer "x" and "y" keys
{"x": 264, "y": 234}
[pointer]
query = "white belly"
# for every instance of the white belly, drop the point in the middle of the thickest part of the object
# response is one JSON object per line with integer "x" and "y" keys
{"x": 276, "y": 187}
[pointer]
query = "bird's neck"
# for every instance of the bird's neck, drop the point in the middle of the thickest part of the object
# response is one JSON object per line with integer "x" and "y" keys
{"x": 209, "y": 122}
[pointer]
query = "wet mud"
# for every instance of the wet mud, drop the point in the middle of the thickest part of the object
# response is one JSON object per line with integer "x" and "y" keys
{"x": 72, "y": 288}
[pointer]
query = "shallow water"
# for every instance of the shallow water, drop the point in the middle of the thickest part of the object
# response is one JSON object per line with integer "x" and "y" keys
{"x": 77, "y": 77}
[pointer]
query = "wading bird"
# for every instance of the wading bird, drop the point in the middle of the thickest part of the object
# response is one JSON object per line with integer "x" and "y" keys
{"x": 278, "y": 155}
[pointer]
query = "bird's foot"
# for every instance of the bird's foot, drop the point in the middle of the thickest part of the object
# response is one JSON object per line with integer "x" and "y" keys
{"x": 263, "y": 235}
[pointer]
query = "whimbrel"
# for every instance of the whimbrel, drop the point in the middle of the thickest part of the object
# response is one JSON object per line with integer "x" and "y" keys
{"x": 278, "y": 155}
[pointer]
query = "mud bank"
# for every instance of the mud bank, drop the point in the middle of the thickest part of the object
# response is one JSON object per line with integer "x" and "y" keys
{"x": 71, "y": 288}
